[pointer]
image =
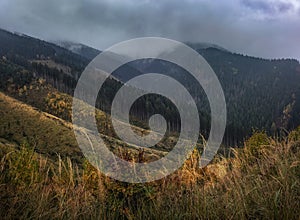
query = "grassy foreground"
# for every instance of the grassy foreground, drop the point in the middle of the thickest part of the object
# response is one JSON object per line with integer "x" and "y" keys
{"x": 262, "y": 181}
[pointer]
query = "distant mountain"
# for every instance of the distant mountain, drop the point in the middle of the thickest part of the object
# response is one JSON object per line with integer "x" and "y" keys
{"x": 90, "y": 53}
{"x": 260, "y": 93}
{"x": 201, "y": 46}
{"x": 81, "y": 49}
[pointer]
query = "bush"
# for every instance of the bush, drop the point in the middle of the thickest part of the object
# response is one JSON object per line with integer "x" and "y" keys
{"x": 256, "y": 144}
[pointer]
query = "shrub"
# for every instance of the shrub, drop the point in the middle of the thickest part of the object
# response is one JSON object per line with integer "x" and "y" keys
{"x": 256, "y": 144}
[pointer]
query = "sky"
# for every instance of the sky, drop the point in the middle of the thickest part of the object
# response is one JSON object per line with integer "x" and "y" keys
{"x": 262, "y": 28}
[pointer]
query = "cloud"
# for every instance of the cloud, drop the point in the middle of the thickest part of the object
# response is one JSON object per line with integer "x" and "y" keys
{"x": 268, "y": 28}
{"x": 269, "y": 7}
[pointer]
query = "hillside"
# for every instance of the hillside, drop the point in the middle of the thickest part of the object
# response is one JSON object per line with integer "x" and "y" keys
{"x": 22, "y": 124}
{"x": 49, "y": 135}
{"x": 260, "y": 94}
{"x": 248, "y": 83}
{"x": 83, "y": 50}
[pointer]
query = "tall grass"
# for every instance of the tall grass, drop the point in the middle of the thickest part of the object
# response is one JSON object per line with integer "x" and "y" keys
{"x": 262, "y": 181}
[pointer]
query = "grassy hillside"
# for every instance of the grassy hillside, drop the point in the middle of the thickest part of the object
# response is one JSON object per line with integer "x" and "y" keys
{"x": 260, "y": 182}
{"x": 49, "y": 135}
{"x": 23, "y": 85}
{"x": 22, "y": 124}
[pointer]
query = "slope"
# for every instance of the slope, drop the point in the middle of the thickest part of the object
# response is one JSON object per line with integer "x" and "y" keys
{"x": 48, "y": 134}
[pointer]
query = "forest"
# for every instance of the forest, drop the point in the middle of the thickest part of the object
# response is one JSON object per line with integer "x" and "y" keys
{"x": 260, "y": 94}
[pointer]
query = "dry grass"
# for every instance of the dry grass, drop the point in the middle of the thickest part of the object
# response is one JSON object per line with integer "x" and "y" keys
{"x": 48, "y": 134}
{"x": 261, "y": 182}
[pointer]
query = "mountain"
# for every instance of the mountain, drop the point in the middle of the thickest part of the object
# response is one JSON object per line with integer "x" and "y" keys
{"x": 260, "y": 93}
{"x": 90, "y": 53}
{"x": 201, "y": 46}
{"x": 22, "y": 48}
{"x": 37, "y": 95}
{"x": 249, "y": 84}
{"x": 80, "y": 49}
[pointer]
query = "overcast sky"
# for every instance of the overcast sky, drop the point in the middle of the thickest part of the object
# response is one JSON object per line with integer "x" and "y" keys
{"x": 264, "y": 28}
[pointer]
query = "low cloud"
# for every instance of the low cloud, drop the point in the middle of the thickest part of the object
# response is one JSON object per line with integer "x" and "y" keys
{"x": 265, "y": 28}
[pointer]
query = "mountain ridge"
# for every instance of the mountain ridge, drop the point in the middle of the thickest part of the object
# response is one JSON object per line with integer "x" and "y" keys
{"x": 248, "y": 83}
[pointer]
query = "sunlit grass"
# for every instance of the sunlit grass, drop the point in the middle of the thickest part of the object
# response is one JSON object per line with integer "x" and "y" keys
{"x": 262, "y": 181}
